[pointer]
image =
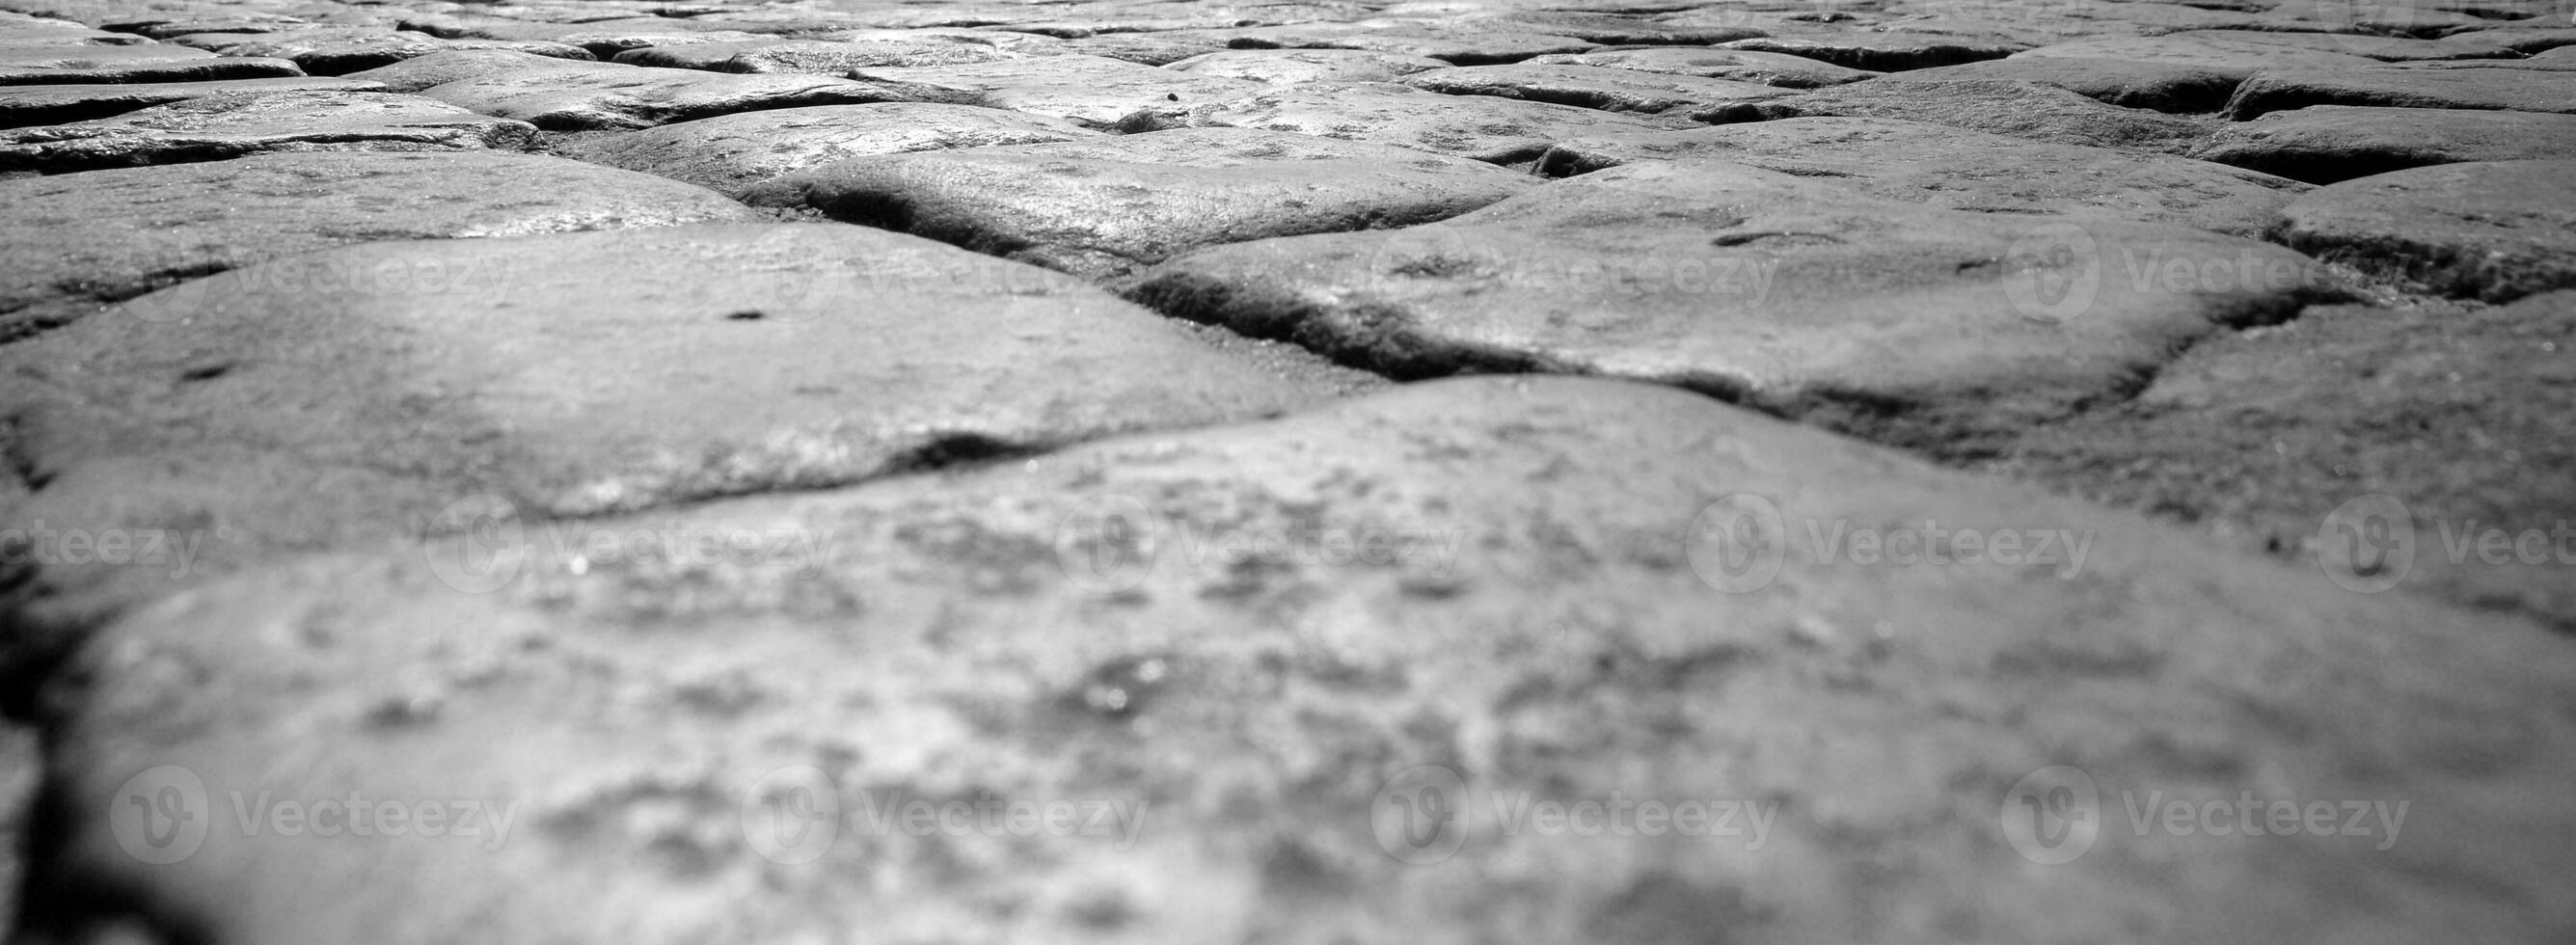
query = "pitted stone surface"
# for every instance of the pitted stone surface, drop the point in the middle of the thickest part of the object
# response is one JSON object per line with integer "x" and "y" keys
{"x": 2163, "y": 86}
{"x": 1171, "y": 192}
{"x": 2019, "y": 109}
{"x": 1780, "y": 69}
{"x": 1499, "y": 130}
{"x": 103, "y": 236}
{"x": 607, "y": 95}
{"x": 1615, "y": 90}
{"x": 1092, "y": 90}
{"x": 1243, "y": 733}
{"x": 436, "y": 69}
{"x": 2324, "y": 144}
{"x": 1462, "y": 47}
{"x": 2492, "y": 231}
{"x": 729, "y": 153}
{"x": 2530, "y": 90}
{"x": 78, "y": 65}
{"x": 1963, "y": 170}
{"x": 1294, "y": 66}
{"x": 1883, "y": 52}
{"x": 228, "y": 126}
{"x": 343, "y": 51}
{"x": 1898, "y": 321}
{"x": 814, "y": 58}
{"x": 2215, "y": 52}
{"x": 347, "y": 397}
{"x": 25, "y": 105}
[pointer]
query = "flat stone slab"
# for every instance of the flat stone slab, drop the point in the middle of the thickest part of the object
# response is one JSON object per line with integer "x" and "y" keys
{"x": 2490, "y": 231}
{"x": 435, "y": 69}
{"x": 607, "y": 95}
{"x": 1295, "y": 66}
{"x": 102, "y": 236}
{"x": 2451, "y": 425}
{"x": 1595, "y": 87}
{"x": 343, "y": 51}
{"x": 24, "y": 105}
{"x": 1897, "y": 321}
{"x": 1231, "y": 739}
{"x": 2019, "y": 109}
{"x": 93, "y": 65}
{"x": 1780, "y": 69}
{"x": 2129, "y": 83}
{"x": 1963, "y": 170}
{"x": 2381, "y": 48}
{"x": 349, "y": 396}
{"x": 729, "y": 153}
{"x": 1462, "y": 47}
{"x": 230, "y": 126}
{"x": 1104, "y": 207}
{"x": 815, "y": 57}
{"x": 2526, "y": 90}
{"x": 2324, "y": 144}
{"x": 1884, "y": 52}
{"x": 1092, "y": 90}
{"x": 2202, "y": 50}
{"x": 2523, "y": 40}
{"x": 1497, "y": 130}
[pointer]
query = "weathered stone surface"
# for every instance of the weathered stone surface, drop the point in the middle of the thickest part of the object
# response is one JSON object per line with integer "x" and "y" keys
{"x": 102, "y": 236}
{"x": 1780, "y": 69}
{"x": 729, "y": 153}
{"x": 1456, "y": 47}
{"x": 230, "y": 126}
{"x": 813, "y": 58}
{"x": 24, "y": 105}
{"x": 76, "y": 65}
{"x": 2516, "y": 89}
{"x": 1613, "y": 90}
{"x": 2232, "y": 59}
{"x": 2461, "y": 421}
{"x": 2131, "y": 83}
{"x": 2324, "y": 144}
{"x": 2531, "y": 41}
{"x": 2019, "y": 109}
{"x": 1157, "y": 48}
{"x": 348, "y": 397}
{"x": 2491, "y": 231}
{"x": 2381, "y": 48}
{"x": 1963, "y": 170}
{"x": 1103, "y": 208}
{"x": 436, "y": 69}
{"x": 1249, "y": 736}
{"x": 1294, "y": 66}
{"x": 1884, "y": 52}
{"x": 1902, "y": 322}
{"x": 607, "y": 95}
{"x": 1092, "y": 90}
{"x": 343, "y": 51}
{"x": 1499, "y": 130}
{"x": 1616, "y": 29}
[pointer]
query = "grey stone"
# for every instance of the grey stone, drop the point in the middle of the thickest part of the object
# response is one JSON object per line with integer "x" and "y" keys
{"x": 1295, "y": 66}
{"x": 343, "y": 51}
{"x": 2235, "y": 60}
{"x": 1091, "y": 90}
{"x": 2492, "y": 231}
{"x": 2019, "y": 109}
{"x": 1615, "y": 90}
{"x": 1884, "y": 52}
{"x": 1780, "y": 69}
{"x": 607, "y": 95}
{"x": 2397, "y": 87}
{"x": 729, "y": 153}
{"x": 1463, "y": 47}
{"x": 24, "y": 105}
{"x": 229, "y": 126}
{"x": 1104, "y": 207}
{"x": 2324, "y": 144}
{"x": 1499, "y": 130}
{"x": 2130, "y": 83}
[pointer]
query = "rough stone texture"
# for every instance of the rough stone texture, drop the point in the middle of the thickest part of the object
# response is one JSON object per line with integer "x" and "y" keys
{"x": 1780, "y": 69}
{"x": 729, "y": 153}
{"x": 102, "y": 236}
{"x": 2466, "y": 417}
{"x": 343, "y": 51}
{"x": 1092, "y": 90}
{"x": 2381, "y": 48}
{"x": 1883, "y": 52}
{"x": 349, "y": 397}
{"x": 2163, "y": 86}
{"x": 1901, "y": 322}
{"x": 2529, "y": 90}
{"x": 578, "y": 96}
{"x": 1615, "y": 90}
{"x": 2529, "y": 41}
{"x": 1963, "y": 170}
{"x": 436, "y": 69}
{"x": 1169, "y": 192}
{"x": 1499, "y": 130}
{"x": 2202, "y": 50}
{"x": 2491, "y": 231}
{"x": 649, "y": 724}
{"x": 1456, "y": 47}
{"x": 229, "y": 126}
{"x": 814, "y": 58}
{"x": 1294, "y": 66}
{"x": 2324, "y": 144}
{"x": 79, "y": 65}
{"x": 25, "y": 105}
{"x": 2019, "y": 109}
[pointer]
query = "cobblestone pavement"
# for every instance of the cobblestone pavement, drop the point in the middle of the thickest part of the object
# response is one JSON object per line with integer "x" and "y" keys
{"x": 1478, "y": 471}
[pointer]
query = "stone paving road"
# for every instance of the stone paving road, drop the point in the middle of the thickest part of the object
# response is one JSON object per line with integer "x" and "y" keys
{"x": 1494, "y": 470}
